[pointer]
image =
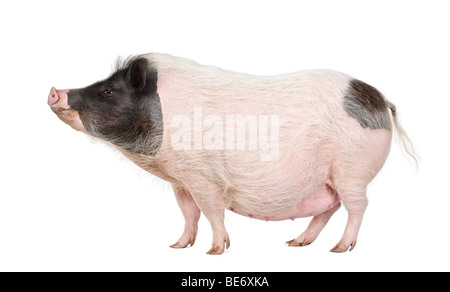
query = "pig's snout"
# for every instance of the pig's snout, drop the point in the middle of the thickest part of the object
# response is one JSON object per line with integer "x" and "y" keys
{"x": 53, "y": 97}
{"x": 58, "y": 98}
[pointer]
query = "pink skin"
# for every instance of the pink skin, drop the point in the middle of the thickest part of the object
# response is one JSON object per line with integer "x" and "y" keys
{"x": 319, "y": 192}
{"x": 326, "y": 157}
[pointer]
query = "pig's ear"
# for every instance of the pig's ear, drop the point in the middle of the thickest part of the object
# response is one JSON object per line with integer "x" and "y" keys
{"x": 137, "y": 74}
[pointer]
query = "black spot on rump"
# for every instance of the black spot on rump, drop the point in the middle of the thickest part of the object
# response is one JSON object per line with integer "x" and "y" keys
{"x": 367, "y": 105}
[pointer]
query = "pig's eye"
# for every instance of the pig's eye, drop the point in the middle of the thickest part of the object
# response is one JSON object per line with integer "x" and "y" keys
{"x": 107, "y": 92}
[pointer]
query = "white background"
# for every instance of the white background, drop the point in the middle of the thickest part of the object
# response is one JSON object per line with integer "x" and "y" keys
{"x": 67, "y": 204}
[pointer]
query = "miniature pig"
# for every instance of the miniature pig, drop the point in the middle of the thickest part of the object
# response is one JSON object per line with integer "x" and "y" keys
{"x": 267, "y": 147}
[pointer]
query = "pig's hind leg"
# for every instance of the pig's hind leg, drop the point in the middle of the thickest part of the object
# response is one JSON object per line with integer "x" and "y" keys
{"x": 326, "y": 197}
{"x": 350, "y": 176}
{"x": 314, "y": 228}
{"x": 355, "y": 201}
{"x": 191, "y": 214}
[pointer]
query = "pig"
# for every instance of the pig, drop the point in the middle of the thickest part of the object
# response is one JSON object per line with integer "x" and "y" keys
{"x": 206, "y": 130}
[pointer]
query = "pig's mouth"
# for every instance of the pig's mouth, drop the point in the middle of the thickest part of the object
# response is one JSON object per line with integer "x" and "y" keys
{"x": 60, "y": 110}
{"x": 70, "y": 117}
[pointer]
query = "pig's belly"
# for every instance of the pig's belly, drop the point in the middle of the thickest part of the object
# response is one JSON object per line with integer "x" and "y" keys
{"x": 283, "y": 206}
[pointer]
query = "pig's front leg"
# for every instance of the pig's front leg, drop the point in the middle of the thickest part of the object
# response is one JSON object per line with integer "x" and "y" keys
{"x": 210, "y": 200}
{"x": 191, "y": 214}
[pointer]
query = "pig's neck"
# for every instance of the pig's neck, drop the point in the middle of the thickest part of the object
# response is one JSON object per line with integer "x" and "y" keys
{"x": 182, "y": 87}
{"x": 156, "y": 165}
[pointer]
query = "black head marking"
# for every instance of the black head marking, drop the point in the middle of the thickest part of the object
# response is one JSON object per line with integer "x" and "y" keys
{"x": 125, "y": 108}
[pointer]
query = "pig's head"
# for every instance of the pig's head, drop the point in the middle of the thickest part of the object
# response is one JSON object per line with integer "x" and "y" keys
{"x": 124, "y": 109}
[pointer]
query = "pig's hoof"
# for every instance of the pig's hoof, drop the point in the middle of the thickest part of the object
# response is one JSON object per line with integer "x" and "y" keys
{"x": 343, "y": 248}
{"x": 188, "y": 238}
{"x": 294, "y": 242}
{"x": 217, "y": 249}
{"x": 181, "y": 245}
